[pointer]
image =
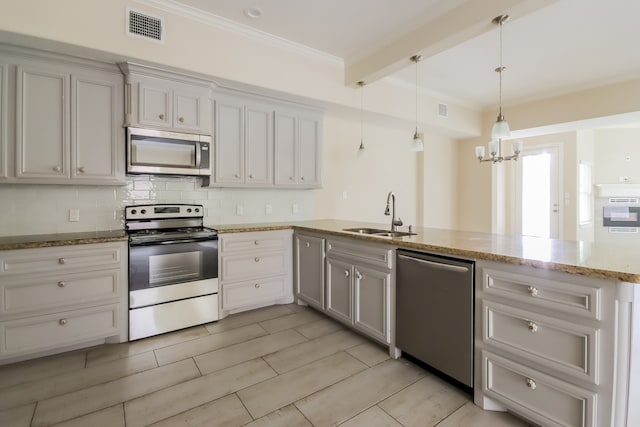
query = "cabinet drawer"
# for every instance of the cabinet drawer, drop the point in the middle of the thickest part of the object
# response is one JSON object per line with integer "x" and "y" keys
{"x": 544, "y": 399}
{"x": 52, "y": 291}
{"x": 264, "y": 240}
{"x": 57, "y": 330}
{"x": 241, "y": 267}
{"x": 236, "y": 295}
{"x": 563, "y": 296}
{"x": 565, "y": 346}
{"x": 49, "y": 260}
{"x": 364, "y": 252}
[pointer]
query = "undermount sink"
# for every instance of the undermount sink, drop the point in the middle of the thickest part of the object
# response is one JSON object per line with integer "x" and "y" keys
{"x": 378, "y": 232}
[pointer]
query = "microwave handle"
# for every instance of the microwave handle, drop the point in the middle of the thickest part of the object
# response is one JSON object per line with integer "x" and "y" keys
{"x": 198, "y": 154}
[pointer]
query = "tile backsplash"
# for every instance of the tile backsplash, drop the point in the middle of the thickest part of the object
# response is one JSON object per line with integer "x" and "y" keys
{"x": 44, "y": 209}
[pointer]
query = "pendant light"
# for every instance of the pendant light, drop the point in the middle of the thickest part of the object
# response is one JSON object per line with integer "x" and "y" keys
{"x": 416, "y": 143}
{"x": 361, "y": 149}
{"x": 500, "y": 129}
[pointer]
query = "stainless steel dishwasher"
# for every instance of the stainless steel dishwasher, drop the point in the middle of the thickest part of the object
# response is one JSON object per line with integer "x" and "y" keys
{"x": 434, "y": 312}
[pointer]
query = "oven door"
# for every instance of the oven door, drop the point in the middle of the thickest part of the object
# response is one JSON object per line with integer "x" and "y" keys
{"x": 160, "y": 264}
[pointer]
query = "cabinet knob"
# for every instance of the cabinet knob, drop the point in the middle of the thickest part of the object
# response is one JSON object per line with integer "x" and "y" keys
{"x": 257, "y": 285}
{"x": 81, "y": 169}
{"x": 61, "y": 284}
{"x": 57, "y": 168}
{"x": 181, "y": 119}
{"x": 307, "y": 244}
{"x": 291, "y": 178}
{"x": 256, "y": 242}
{"x": 533, "y": 291}
{"x": 359, "y": 275}
{"x": 531, "y": 384}
{"x": 346, "y": 273}
{"x": 251, "y": 175}
{"x": 235, "y": 175}
{"x": 302, "y": 178}
{"x": 256, "y": 259}
{"x": 62, "y": 322}
{"x": 532, "y": 327}
{"x": 161, "y": 116}
{"x": 62, "y": 261}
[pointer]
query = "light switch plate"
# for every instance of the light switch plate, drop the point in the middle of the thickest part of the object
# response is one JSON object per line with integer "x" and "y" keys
{"x": 294, "y": 208}
{"x": 268, "y": 209}
{"x": 74, "y": 215}
{"x": 239, "y": 210}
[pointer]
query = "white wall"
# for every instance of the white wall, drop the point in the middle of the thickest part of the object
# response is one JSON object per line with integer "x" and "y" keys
{"x": 585, "y": 151}
{"x": 617, "y": 154}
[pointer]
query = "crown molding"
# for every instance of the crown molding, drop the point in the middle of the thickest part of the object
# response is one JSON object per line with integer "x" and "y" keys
{"x": 207, "y": 18}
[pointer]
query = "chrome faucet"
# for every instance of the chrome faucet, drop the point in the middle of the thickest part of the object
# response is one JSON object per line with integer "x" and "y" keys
{"x": 395, "y": 223}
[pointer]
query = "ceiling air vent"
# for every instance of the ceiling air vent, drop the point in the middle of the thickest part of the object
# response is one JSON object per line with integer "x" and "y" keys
{"x": 142, "y": 25}
{"x": 443, "y": 110}
{"x": 623, "y": 200}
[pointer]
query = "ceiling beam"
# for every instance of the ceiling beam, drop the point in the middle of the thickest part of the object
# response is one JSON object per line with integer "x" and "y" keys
{"x": 466, "y": 22}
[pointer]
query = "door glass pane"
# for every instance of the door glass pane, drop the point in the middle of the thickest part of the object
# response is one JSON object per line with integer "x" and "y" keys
{"x": 536, "y": 195}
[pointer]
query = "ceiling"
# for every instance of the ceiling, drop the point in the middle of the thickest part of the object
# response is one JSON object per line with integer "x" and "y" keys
{"x": 566, "y": 46}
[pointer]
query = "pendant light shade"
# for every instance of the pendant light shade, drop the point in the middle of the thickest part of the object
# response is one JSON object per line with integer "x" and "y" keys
{"x": 362, "y": 152}
{"x": 416, "y": 143}
{"x": 500, "y": 129}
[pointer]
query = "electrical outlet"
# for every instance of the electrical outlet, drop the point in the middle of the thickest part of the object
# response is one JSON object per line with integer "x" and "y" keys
{"x": 268, "y": 209}
{"x": 239, "y": 210}
{"x": 74, "y": 215}
{"x": 294, "y": 208}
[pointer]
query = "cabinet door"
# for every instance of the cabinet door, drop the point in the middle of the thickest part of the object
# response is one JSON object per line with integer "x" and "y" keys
{"x": 189, "y": 110}
{"x": 42, "y": 118}
{"x": 339, "y": 289}
{"x": 229, "y": 144}
{"x": 310, "y": 151}
{"x": 258, "y": 145}
{"x": 371, "y": 296}
{"x": 4, "y": 141}
{"x": 310, "y": 270}
{"x": 96, "y": 131}
{"x": 154, "y": 103}
{"x": 286, "y": 151}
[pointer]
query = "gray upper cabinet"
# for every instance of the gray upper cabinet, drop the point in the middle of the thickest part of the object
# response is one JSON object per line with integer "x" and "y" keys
{"x": 167, "y": 101}
{"x": 68, "y": 124}
{"x": 309, "y": 265}
{"x": 298, "y": 148}
{"x": 4, "y": 140}
{"x": 244, "y": 143}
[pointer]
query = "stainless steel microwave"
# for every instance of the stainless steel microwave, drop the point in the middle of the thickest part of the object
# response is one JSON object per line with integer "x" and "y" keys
{"x": 168, "y": 153}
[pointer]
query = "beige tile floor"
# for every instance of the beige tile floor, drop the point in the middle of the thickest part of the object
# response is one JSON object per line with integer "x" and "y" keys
{"x": 276, "y": 366}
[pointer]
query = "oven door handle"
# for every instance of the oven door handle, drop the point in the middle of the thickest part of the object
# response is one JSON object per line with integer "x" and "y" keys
{"x": 172, "y": 242}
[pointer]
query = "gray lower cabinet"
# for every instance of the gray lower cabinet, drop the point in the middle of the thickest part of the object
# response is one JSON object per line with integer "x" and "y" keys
{"x": 309, "y": 274}
{"x": 359, "y": 281}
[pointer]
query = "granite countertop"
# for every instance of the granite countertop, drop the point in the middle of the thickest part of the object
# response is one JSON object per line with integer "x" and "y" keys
{"x": 61, "y": 239}
{"x": 607, "y": 261}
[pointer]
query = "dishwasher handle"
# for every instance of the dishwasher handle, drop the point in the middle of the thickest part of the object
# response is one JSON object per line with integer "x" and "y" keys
{"x": 442, "y": 266}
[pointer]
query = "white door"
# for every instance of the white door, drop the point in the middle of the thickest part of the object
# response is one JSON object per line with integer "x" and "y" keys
{"x": 537, "y": 193}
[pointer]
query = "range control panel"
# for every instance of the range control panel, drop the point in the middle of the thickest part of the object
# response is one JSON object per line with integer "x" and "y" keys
{"x": 163, "y": 211}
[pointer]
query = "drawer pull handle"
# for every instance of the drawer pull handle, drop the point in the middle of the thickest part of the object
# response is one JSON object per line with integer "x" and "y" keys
{"x": 255, "y": 242}
{"x": 61, "y": 284}
{"x": 531, "y": 384}
{"x": 256, "y": 259}
{"x": 62, "y": 260}
{"x": 307, "y": 244}
{"x": 257, "y": 285}
{"x": 533, "y": 291}
{"x": 62, "y": 322}
{"x": 532, "y": 327}
{"x": 346, "y": 273}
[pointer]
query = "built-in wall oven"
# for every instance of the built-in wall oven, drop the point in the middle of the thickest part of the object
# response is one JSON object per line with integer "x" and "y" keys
{"x": 618, "y": 220}
{"x": 173, "y": 269}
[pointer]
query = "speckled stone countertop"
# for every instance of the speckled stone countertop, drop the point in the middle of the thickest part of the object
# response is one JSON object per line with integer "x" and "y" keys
{"x": 597, "y": 260}
{"x": 61, "y": 239}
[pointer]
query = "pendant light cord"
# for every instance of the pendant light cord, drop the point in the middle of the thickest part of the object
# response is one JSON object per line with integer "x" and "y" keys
{"x": 417, "y": 96}
{"x": 361, "y": 109}
{"x": 501, "y": 67}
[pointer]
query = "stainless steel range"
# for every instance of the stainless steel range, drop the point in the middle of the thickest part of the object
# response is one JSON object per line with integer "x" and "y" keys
{"x": 173, "y": 269}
